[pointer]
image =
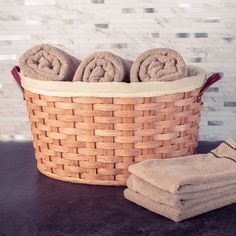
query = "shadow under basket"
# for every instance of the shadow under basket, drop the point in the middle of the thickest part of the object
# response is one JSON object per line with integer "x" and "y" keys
{"x": 94, "y": 139}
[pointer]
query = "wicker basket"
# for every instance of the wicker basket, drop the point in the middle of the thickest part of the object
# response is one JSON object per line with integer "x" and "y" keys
{"x": 93, "y": 140}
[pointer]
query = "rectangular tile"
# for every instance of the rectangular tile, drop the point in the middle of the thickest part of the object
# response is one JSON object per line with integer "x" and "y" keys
{"x": 215, "y": 123}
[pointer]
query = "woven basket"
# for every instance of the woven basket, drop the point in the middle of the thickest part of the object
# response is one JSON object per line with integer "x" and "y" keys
{"x": 93, "y": 140}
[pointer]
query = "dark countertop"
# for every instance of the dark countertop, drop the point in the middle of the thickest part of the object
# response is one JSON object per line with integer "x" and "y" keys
{"x": 33, "y": 204}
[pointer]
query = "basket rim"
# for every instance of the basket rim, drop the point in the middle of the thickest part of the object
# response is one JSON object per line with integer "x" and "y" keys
{"x": 116, "y": 89}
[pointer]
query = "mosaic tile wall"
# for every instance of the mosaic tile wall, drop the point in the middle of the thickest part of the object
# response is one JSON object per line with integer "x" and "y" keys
{"x": 203, "y": 31}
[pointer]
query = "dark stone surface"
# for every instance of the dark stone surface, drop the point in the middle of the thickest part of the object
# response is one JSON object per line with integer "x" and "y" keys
{"x": 33, "y": 204}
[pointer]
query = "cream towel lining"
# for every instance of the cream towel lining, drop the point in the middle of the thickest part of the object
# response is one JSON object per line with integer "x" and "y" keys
{"x": 195, "y": 79}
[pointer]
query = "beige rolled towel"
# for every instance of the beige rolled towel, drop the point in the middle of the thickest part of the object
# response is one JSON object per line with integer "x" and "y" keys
{"x": 191, "y": 173}
{"x": 45, "y": 62}
{"x": 159, "y": 64}
{"x": 102, "y": 67}
{"x": 179, "y": 201}
{"x": 176, "y": 214}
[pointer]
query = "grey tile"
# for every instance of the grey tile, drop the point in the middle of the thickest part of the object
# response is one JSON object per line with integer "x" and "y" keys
{"x": 97, "y": 1}
{"x": 213, "y": 89}
{"x": 229, "y": 104}
{"x": 68, "y": 21}
{"x": 182, "y": 35}
{"x": 148, "y": 10}
{"x": 152, "y": 35}
{"x": 196, "y": 59}
{"x": 118, "y": 45}
{"x": 208, "y": 108}
{"x": 201, "y": 35}
{"x": 128, "y": 10}
{"x": 111, "y": 45}
{"x": 102, "y": 26}
{"x": 229, "y": 39}
{"x": 215, "y": 123}
{"x": 155, "y": 35}
{"x": 212, "y": 20}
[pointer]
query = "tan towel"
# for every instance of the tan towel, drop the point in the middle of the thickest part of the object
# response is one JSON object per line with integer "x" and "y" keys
{"x": 102, "y": 67}
{"x": 159, "y": 64}
{"x": 177, "y": 214}
{"x": 180, "y": 201}
{"x": 191, "y": 173}
{"x": 45, "y": 62}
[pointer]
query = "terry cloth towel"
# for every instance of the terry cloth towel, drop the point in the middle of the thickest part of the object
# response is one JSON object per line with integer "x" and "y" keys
{"x": 159, "y": 64}
{"x": 102, "y": 67}
{"x": 177, "y": 214}
{"x": 191, "y": 173}
{"x": 181, "y": 188}
{"x": 45, "y": 62}
{"x": 180, "y": 201}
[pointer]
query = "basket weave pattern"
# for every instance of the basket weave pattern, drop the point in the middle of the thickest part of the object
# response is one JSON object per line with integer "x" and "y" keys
{"x": 94, "y": 140}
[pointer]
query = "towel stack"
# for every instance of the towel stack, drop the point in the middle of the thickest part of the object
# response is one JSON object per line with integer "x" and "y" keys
{"x": 184, "y": 187}
{"x": 46, "y": 62}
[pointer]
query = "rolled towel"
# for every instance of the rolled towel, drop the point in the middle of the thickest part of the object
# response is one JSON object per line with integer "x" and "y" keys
{"x": 179, "y": 214}
{"x": 101, "y": 67}
{"x": 45, "y": 62}
{"x": 160, "y": 64}
{"x": 191, "y": 173}
{"x": 180, "y": 201}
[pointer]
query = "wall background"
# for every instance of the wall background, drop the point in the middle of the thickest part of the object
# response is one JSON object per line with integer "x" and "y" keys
{"x": 203, "y": 31}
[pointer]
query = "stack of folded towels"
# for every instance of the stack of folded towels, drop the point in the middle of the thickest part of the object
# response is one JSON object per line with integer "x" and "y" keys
{"x": 180, "y": 188}
{"x": 46, "y": 62}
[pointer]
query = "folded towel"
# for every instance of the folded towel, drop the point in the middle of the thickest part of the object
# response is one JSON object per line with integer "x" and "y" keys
{"x": 160, "y": 64}
{"x": 177, "y": 214}
{"x": 191, "y": 173}
{"x": 101, "y": 67}
{"x": 181, "y": 201}
{"x": 45, "y": 62}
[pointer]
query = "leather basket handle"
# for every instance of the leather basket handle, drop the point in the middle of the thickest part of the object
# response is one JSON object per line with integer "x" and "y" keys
{"x": 211, "y": 80}
{"x": 15, "y": 73}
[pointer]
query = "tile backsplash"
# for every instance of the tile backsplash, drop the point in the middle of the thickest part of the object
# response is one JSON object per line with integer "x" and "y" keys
{"x": 203, "y": 31}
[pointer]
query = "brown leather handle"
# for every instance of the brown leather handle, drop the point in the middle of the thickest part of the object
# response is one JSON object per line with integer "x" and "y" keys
{"x": 15, "y": 72}
{"x": 211, "y": 80}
